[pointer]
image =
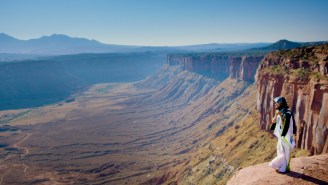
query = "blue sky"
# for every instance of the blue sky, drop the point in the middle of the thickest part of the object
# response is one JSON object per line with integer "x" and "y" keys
{"x": 167, "y": 22}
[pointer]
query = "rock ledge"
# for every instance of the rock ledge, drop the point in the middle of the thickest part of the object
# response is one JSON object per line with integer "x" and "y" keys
{"x": 304, "y": 170}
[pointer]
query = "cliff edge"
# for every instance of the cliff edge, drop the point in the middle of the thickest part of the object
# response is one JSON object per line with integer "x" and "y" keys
{"x": 304, "y": 170}
{"x": 300, "y": 75}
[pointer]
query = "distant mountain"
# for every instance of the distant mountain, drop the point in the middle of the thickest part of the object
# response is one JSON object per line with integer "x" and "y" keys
{"x": 283, "y": 44}
{"x": 286, "y": 44}
{"x": 59, "y": 44}
{"x": 6, "y": 38}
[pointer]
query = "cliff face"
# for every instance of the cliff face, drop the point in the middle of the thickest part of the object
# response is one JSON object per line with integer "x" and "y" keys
{"x": 244, "y": 68}
{"x": 300, "y": 75}
{"x": 219, "y": 67}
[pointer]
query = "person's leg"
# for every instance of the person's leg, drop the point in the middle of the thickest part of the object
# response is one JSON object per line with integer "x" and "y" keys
{"x": 286, "y": 160}
{"x": 274, "y": 162}
{"x": 287, "y": 154}
{"x": 279, "y": 160}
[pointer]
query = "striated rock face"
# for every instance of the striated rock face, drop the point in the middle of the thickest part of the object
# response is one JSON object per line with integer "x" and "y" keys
{"x": 300, "y": 75}
{"x": 213, "y": 66}
{"x": 235, "y": 63}
{"x": 219, "y": 67}
{"x": 244, "y": 68}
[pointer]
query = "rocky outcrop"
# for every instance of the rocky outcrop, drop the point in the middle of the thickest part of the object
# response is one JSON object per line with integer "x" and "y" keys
{"x": 304, "y": 170}
{"x": 219, "y": 67}
{"x": 300, "y": 75}
{"x": 235, "y": 63}
{"x": 244, "y": 68}
{"x": 213, "y": 66}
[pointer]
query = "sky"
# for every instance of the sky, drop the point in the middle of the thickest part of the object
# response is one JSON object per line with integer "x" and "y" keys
{"x": 167, "y": 22}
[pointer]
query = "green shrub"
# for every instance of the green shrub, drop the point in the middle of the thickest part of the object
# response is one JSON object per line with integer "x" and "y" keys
{"x": 301, "y": 73}
{"x": 278, "y": 70}
{"x": 317, "y": 76}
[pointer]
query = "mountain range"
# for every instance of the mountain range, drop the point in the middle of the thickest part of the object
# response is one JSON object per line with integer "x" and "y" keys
{"x": 59, "y": 44}
{"x": 56, "y": 44}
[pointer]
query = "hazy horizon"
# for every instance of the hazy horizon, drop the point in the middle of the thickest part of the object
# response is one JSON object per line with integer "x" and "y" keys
{"x": 91, "y": 39}
{"x": 168, "y": 23}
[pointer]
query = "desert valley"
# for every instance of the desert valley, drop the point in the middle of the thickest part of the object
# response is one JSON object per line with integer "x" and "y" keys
{"x": 199, "y": 119}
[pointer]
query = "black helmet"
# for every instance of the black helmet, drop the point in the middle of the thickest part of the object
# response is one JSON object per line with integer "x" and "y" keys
{"x": 280, "y": 99}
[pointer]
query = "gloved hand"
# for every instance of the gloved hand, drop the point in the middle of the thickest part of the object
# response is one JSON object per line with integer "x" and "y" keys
{"x": 274, "y": 119}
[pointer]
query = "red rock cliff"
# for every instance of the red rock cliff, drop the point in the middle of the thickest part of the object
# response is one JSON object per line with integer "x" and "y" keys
{"x": 242, "y": 68}
{"x": 300, "y": 75}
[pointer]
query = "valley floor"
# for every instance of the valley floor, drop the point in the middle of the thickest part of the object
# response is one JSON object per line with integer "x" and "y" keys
{"x": 112, "y": 133}
{"x": 100, "y": 138}
{"x": 175, "y": 127}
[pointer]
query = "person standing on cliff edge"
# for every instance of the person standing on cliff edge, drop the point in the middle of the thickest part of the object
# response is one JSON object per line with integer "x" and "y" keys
{"x": 283, "y": 124}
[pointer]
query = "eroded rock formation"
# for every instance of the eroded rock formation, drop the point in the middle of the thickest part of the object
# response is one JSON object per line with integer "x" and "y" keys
{"x": 244, "y": 68}
{"x": 219, "y": 67}
{"x": 300, "y": 75}
{"x": 213, "y": 66}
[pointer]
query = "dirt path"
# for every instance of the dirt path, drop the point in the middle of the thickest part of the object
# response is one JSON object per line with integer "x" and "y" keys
{"x": 26, "y": 151}
{"x": 16, "y": 145}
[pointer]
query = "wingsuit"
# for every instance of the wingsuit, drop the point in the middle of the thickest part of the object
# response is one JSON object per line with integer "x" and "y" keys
{"x": 284, "y": 128}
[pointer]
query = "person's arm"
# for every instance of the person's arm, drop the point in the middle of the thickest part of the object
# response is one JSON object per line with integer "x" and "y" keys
{"x": 273, "y": 126}
{"x": 294, "y": 125}
{"x": 274, "y": 120}
{"x": 286, "y": 122}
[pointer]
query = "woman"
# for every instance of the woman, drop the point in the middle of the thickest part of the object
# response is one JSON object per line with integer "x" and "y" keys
{"x": 284, "y": 128}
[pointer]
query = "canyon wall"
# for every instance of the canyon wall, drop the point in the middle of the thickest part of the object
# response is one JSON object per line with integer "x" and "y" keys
{"x": 301, "y": 76}
{"x": 213, "y": 66}
{"x": 219, "y": 67}
{"x": 244, "y": 68}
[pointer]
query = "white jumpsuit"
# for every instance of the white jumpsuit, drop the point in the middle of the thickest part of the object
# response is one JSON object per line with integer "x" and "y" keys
{"x": 285, "y": 144}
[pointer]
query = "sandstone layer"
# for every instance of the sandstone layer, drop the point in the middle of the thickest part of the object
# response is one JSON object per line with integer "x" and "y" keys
{"x": 218, "y": 67}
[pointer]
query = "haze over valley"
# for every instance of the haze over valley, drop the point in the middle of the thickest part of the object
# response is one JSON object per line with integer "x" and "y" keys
{"x": 157, "y": 95}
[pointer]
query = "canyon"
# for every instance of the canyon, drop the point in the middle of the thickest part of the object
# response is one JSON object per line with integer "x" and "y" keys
{"x": 198, "y": 120}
